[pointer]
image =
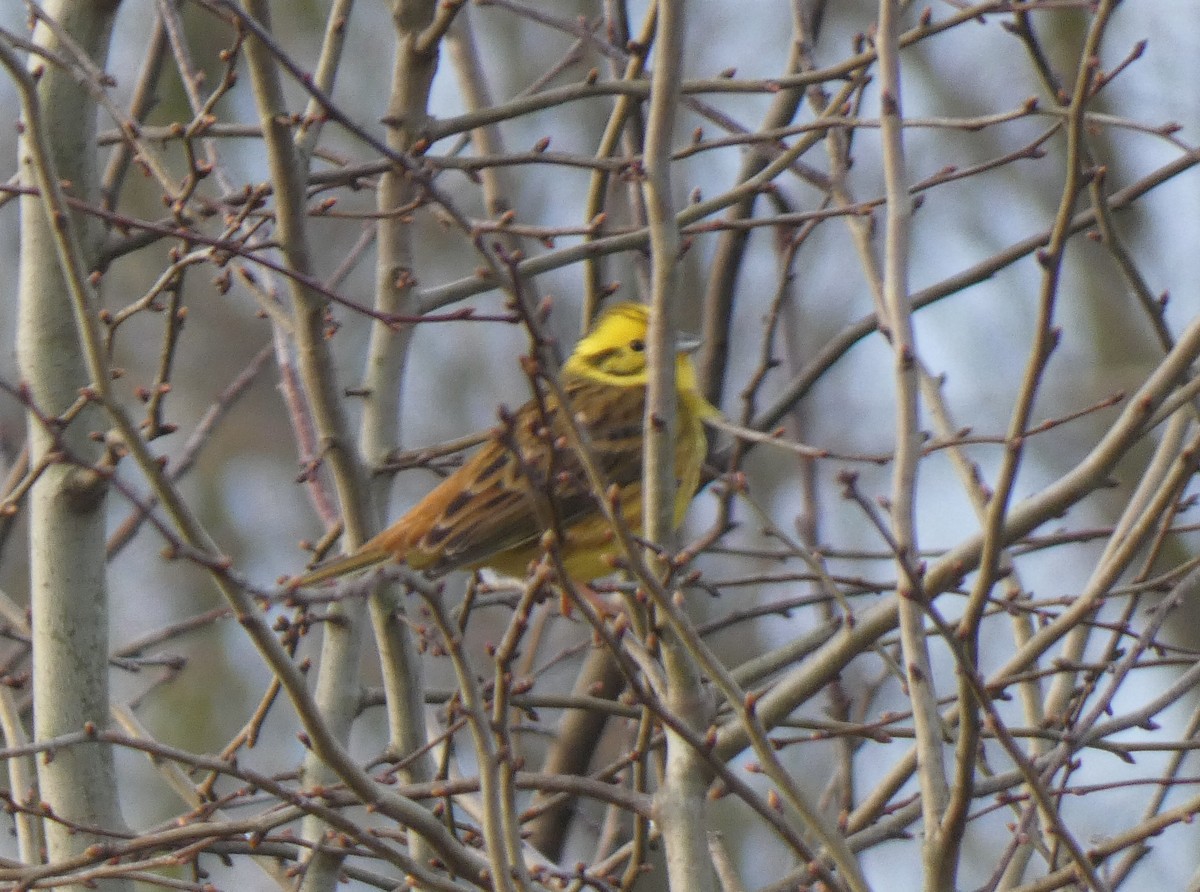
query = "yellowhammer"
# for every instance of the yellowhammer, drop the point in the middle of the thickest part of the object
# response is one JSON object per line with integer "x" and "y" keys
{"x": 483, "y": 515}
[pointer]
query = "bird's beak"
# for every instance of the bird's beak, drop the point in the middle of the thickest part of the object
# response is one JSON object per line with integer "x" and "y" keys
{"x": 687, "y": 344}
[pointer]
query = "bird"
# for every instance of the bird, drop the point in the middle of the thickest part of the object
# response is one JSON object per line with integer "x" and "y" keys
{"x": 488, "y": 514}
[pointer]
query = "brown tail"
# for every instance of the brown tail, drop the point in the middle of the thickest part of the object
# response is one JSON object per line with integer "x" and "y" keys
{"x": 341, "y": 566}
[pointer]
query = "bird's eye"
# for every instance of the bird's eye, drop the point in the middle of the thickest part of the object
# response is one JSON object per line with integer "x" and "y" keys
{"x": 637, "y": 345}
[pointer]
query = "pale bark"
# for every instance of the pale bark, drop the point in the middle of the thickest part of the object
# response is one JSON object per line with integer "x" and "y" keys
{"x": 66, "y": 505}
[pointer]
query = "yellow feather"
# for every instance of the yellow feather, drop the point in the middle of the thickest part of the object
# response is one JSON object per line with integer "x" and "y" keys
{"x": 485, "y": 513}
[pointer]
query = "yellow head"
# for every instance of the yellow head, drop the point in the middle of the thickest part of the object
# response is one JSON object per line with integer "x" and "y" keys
{"x": 614, "y": 351}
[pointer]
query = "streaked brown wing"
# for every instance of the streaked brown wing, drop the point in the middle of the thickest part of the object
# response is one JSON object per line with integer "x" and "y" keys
{"x": 485, "y": 507}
